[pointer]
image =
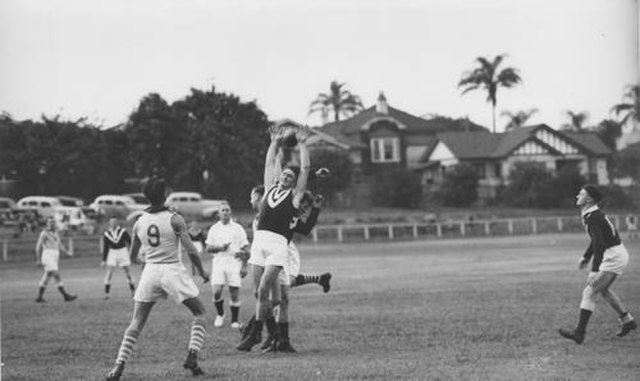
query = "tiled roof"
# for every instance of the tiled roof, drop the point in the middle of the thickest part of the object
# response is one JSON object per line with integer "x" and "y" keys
{"x": 416, "y": 127}
{"x": 483, "y": 145}
{"x": 590, "y": 141}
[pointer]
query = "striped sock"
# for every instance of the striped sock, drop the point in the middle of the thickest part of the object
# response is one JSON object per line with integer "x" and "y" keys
{"x": 126, "y": 348}
{"x": 198, "y": 331}
{"x": 307, "y": 278}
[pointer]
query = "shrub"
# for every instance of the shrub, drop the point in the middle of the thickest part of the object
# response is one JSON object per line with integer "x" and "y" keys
{"x": 459, "y": 186}
{"x": 399, "y": 188}
{"x": 532, "y": 186}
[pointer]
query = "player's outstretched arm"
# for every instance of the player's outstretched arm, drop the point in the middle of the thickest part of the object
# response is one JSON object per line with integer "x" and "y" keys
{"x": 270, "y": 159}
{"x": 305, "y": 165}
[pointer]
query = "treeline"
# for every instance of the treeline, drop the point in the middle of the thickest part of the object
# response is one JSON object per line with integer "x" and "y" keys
{"x": 208, "y": 141}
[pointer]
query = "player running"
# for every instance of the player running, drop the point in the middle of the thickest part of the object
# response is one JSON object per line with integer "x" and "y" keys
{"x": 48, "y": 250}
{"x": 158, "y": 234}
{"x": 609, "y": 257}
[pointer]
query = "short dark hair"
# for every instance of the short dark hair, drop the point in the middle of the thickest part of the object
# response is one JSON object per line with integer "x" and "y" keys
{"x": 259, "y": 189}
{"x": 155, "y": 190}
{"x": 593, "y": 192}
{"x": 293, "y": 168}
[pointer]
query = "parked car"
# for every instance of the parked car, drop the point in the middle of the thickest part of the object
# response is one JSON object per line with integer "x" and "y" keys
{"x": 192, "y": 204}
{"x": 70, "y": 201}
{"x": 118, "y": 206}
{"x": 139, "y": 198}
{"x": 189, "y": 204}
{"x": 45, "y": 205}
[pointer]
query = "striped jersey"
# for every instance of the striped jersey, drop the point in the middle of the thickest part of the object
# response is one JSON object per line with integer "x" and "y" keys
{"x": 159, "y": 242}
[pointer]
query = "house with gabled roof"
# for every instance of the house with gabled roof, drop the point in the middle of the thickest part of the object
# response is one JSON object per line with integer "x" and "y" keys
{"x": 382, "y": 136}
{"x": 494, "y": 155}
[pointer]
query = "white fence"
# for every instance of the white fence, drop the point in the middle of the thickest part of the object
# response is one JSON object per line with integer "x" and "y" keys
{"x": 23, "y": 249}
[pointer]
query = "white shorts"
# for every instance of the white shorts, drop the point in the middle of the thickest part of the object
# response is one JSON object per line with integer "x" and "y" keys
{"x": 118, "y": 257}
{"x": 50, "y": 259}
{"x": 269, "y": 249}
{"x": 615, "y": 259}
{"x": 292, "y": 268}
{"x": 225, "y": 271}
{"x": 159, "y": 280}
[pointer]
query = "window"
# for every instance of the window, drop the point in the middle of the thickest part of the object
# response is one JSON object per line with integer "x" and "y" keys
{"x": 45, "y": 204}
{"x": 385, "y": 150}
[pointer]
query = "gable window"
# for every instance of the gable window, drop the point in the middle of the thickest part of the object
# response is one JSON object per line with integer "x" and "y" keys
{"x": 385, "y": 150}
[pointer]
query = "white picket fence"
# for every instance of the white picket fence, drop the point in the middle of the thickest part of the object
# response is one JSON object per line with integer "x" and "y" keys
{"x": 23, "y": 248}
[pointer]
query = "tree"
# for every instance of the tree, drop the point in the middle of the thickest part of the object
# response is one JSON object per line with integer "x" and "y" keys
{"x": 459, "y": 186}
{"x": 227, "y": 141}
{"x": 56, "y": 156}
{"x": 577, "y": 120}
{"x": 519, "y": 118}
{"x": 630, "y": 109}
{"x": 488, "y": 77}
{"x": 158, "y": 138}
{"x": 609, "y": 131}
{"x": 339, "y": 100}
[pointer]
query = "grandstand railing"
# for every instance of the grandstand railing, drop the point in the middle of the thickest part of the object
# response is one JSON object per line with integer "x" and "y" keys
{"x": 23, "y": 249}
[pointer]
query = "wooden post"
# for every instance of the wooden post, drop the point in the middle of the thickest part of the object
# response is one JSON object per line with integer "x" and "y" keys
{"x": 487, "y": 228}
{"x": 366, "y": 233}
{"x": 534, "y": 225}
{"x": 510, "y": 226}
{"x": 462, "y": 228}
{"x": 390, "y": 228}
{"x": 559, "y": 224}
{"x": 315, "y": 235}
{"x": 340, "y": 234}
{"x": 5, "y": 250}
{"x": 415, "y": 231}
{"x": 70, "y": 246}
{"x": 439, "y": 229}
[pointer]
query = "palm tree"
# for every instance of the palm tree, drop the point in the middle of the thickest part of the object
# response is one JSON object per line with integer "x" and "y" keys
{"x": 576, "y": 120}
{"x": 339, "y": 100}
{"x": 631, "y": 108}
{"x": 519, "y": 118}
{"x": 487, "y": 76}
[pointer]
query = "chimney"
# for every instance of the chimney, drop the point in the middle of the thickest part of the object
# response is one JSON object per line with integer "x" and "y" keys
{"x": 381, "y": 106}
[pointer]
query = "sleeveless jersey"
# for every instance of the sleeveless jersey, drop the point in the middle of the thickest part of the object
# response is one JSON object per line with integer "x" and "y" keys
{"x": 277, "y": 211}
{"x": 159, "y": 241}
{"x": 50, "y": 240}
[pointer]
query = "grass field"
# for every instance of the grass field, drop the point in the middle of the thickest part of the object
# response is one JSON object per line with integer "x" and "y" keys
{"x": 471, "y": 309}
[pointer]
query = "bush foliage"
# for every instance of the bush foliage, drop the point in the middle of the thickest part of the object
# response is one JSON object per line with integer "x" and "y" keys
{"x": 398, "y": 188}
{"x": 459, "y": 186}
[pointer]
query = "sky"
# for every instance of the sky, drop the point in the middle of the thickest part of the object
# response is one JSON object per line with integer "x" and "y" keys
{"x": 97, "y": 58}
